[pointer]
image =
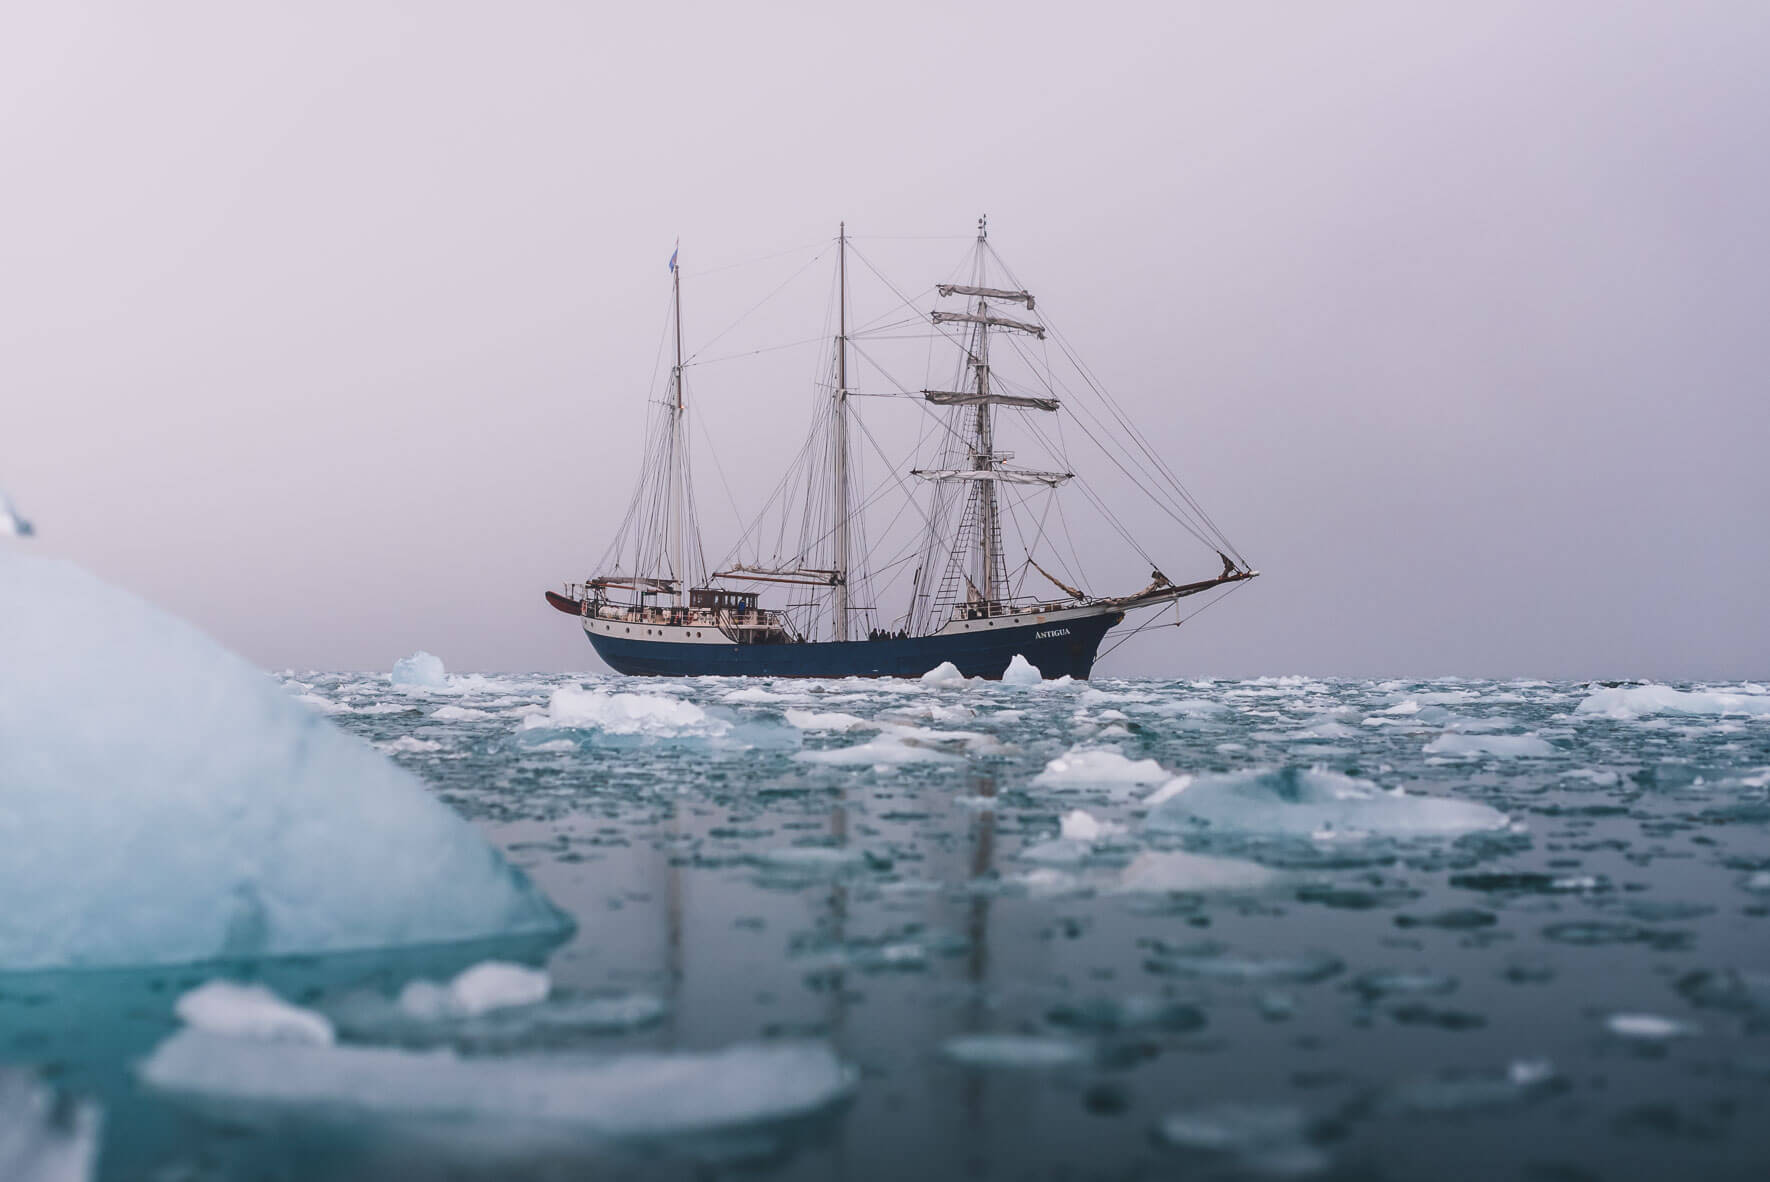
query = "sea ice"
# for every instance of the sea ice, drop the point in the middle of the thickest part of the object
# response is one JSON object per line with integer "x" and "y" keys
{"x": 651, "y": 716}
{"x": 487, "y": 986}
{"x": 43, "y": 1139}
{"x": 945, "y": 673}
{"x": 250, "y": 1011}
{"x": 1014, "y": 1051}
{"x": 421, "y": 670}
{"x": 1503, "y": 746}
{"x": 639, "y": 1096}
{"x": 1022, "y": 672}
{"x": 1634, "y": 701}
{"x": 885, "y": 750}
{"x": 1084, "y": 767}
{"x": 810, "y": 720}
{"x": 168, "y": 803}
{"x": 1303, "y": 803}
{"x": 1648, "y": 1027}
{"x": 1174, "y": 870}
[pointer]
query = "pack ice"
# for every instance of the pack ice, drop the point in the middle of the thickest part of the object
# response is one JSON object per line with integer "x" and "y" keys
{"x": 167, "y": 803}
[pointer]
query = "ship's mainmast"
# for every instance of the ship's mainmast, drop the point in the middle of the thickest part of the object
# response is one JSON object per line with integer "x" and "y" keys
{"x": 985, "y": 456}
{"x": 839, "y": 440}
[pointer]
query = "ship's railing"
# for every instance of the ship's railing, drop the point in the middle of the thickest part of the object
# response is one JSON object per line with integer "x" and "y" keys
{"x": 998, "y": 608}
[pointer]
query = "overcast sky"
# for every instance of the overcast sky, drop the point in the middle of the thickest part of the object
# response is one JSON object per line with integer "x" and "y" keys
{"x": 330, "y": 326}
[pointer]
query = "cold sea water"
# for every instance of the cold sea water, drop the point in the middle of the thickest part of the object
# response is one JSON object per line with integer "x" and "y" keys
{"x": 1286, "y": 927}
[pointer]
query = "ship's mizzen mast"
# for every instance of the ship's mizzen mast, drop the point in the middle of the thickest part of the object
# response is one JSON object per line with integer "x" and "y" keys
{"x": 839, "y": 439}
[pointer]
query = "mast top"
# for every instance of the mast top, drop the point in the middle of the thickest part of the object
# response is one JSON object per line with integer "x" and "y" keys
{"x": 983, "y": 227}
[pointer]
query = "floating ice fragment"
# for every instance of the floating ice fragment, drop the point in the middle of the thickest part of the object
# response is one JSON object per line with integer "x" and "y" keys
{"x": 1021, "y": 672}
{"x": 808, "y": 720}
{"x": 410, "y": 745}
{"x": 1648, "y": 1027}
{"x": 1013, "y": 1051}
{"x": 1470, "y": 1091}
{"x": 250, "y": 1011}
{"x": 1082, "y": 767}
{"x": 1168, "y": 791}
{"x": 489, "y": 985}
{"x": 1630, "y": 702}
{"x": 1161, "y": 870}
{"x": 886, "y": 750}
{"x": 44, "y": 1138}
{"x": 945, "y": 673}
{"x": 641, "y": 1096}
{"x": 1302, "y": 803}
{"x": 651, "y": 716}
{"x": 1081, "y": 825}
{"x": 168, "y": 803}
{"x": 460, "y": 714}
{"x": 421, "y": 670}
{"x": 1502, "y": 746}
{"x": 1266, "y": 1140}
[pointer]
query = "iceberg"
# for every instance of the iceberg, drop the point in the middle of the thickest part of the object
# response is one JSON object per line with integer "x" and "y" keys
{"x": 1294, "y": 802}
{"x": 1022, "y": 672}
{"x": 421, "y": 670}
{"x": 167, "y": 803}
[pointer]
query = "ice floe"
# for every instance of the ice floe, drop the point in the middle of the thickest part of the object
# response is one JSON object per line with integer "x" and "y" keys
{"x": 626, "y": 714}
{"x": 1021, "y": 672}
{"x": 812, "y": 720}
{"x": 168, "y": 803}
{"x": 646, "y": 1096}
{"x": 1087, "y": 767}
{"x": 251, "y": 1011}
{"x": 1502, "y": 746}
{"x": 487, "y": 986}
{"x": 1637, "y": 701}
{"x": 1014, "y": 1051}
{"x": 1649, "y": 1027}
{"x": 1175, "y": 870}
{"x": 1300, "y": 802}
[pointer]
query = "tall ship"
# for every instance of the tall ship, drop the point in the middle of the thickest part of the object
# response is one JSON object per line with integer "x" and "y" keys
{"x": 957, "y": 553}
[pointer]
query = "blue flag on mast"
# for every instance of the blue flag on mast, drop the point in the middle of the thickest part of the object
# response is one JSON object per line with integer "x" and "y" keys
{"x": 673, "y": 253}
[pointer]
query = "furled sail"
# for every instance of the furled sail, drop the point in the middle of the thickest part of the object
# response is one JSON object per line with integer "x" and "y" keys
{"x": 1037, "y": 330}
{"x": 1005, "y": 475}
{"x": 973, "y": 398}
{"x": 988, "y": 293}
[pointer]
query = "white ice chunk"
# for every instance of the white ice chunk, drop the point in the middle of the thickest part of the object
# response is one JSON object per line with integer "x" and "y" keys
{"x": 1648, "y": 1027}
{"x": 1168, "y": 791}
{"x": 421, "y": 670}
{"x": 645, "y": 715}
{"x": 1080, "y": 767}
{"x": 1298, "y": 803}
{"x": 1081, "y": 825}
{"x": 167, "y": 803}
{"x": 42, "y": 1140}
{"x": 1013, "y": 1051}
{"x": 1503, "y": 746}
{"x": 1634, "y": 701}
{"x": 1021, "y": 672}
{"x": 251, "y": 1011}
{"x": 489, "y": 985}
{"x": 641, "y": 1095}
{"x": 945, "y": 673}
{"x": 887, "y": 750}
{"x": 810, "y": 720}
{"x": 1164, "y": 870}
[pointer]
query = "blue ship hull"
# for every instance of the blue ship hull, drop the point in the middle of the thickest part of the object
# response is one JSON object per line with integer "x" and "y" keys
{"x": 1065, "y": 647}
